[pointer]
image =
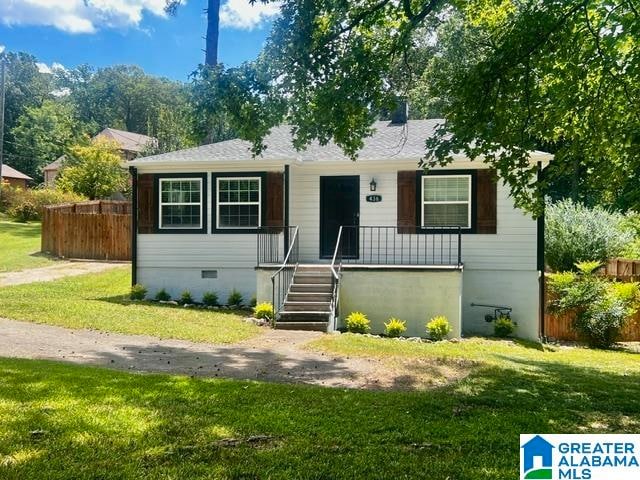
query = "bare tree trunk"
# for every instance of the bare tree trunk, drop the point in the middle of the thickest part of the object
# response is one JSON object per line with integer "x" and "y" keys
{"x": 213, "y": 31}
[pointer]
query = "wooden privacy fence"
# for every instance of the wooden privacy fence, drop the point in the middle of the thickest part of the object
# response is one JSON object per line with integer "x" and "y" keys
{"x": 99, "y": 230}
{"x": 559, "y": 327}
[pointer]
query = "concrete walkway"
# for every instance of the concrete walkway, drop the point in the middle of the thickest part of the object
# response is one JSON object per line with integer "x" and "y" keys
{"x": 57, "y": 270}
{"x": 277, "y": 356}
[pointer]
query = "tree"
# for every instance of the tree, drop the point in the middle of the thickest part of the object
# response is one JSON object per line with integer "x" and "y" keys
{"x": 94, "y": 170}
{"x": 172, "y": 130}
{"x": 213, "y": 27}
{"x": 26, "y": 87}
{"x": 42, "y": 134}
{"x": 559, "y": 74}
{"x": 121, "y": 96}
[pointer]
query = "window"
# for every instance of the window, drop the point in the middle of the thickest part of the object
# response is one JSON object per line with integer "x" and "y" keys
{"x": 239, "y": 202}
{"x": 446, "y": 201}
{"x": 180, "y": 203}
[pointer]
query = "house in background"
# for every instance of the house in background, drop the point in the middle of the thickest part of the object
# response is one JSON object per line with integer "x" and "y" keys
{"x": 13, "y": 177}
{"x": 131, "y": 146}
{"x": 320, "y": 235}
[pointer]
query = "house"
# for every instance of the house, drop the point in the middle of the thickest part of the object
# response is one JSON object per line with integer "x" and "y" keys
{"x": 320, "y": 235}
{"x": 13, "y": 177}
{"x": 131, "y": 146}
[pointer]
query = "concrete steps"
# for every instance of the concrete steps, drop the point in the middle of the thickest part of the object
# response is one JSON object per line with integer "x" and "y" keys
{"x": 308, "y": 303}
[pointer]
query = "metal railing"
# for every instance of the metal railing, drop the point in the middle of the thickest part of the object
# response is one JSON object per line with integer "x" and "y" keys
{"x": 282, "y": 279}
{"x": 273, "y": 244}
{"x": 385, "y": 245}
{"x": 336, "y": 270}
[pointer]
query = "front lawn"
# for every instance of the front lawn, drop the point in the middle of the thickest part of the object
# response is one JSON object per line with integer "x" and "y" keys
{"x": 512, "y": 354}
{"x": 20, "y": 246}
{"x": 59, "y": 421}
{"x": 100, "y": 301}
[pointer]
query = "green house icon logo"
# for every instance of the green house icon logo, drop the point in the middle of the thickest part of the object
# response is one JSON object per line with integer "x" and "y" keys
{"x": 537, "y": 454}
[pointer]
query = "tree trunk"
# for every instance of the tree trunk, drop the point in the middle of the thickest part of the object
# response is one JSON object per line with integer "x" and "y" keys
{"x": 213, "y": 30}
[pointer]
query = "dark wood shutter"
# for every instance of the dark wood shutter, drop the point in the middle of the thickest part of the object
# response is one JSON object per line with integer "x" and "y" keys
{"x": 486, "y": 202}
{"x": 275, "y": 200}
{"x": 146, "y": 204}
{"x": 407, "y": 201}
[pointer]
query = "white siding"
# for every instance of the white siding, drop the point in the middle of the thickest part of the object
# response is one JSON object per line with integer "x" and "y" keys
{"x": 512, "y": 248}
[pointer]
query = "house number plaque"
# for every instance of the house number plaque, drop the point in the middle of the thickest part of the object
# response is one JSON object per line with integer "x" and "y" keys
{"x": 374, "y": 198}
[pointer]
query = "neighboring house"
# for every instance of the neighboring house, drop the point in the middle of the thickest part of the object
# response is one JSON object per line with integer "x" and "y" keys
{"x": 13, "y": 177}
{"x": 377, "y": 235}
{"x": 131, "y": 146}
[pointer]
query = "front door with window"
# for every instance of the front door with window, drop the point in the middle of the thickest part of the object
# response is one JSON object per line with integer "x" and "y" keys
{"x": 339, "y": 205}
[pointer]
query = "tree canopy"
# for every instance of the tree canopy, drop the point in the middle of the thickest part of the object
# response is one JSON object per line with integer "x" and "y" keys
{"x": 509, "y": 76}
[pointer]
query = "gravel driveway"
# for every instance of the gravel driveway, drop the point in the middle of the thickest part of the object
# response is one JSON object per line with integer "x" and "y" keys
{"x": 276, "y": 356}
{"x": 53, "y": 272}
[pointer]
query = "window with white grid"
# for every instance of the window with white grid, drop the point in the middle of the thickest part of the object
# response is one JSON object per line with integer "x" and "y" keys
{"x": 446, "y": 201}
{"x": 239, "y": 202}
{"x": 180, "y": 203}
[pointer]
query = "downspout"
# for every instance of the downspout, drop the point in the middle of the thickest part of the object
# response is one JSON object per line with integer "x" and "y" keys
{"x": 541, "y": 264}
{"x": 134, "y": 225}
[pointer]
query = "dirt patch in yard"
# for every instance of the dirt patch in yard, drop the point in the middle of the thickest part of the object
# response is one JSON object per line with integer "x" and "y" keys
{"x": 275, "y": 356}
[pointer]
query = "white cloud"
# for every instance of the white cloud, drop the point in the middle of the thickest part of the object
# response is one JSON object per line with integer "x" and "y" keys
{"x": 44, "y": 68}
{"x": 241, "y": 14}
{"x": 78, "y": 16}
{"x": 2, "y": 47}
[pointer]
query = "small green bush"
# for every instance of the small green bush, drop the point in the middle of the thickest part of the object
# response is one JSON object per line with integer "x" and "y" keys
{"x": 24, "y": 212}
{"x": 395, "y": 327}
{"x": 438, "y": 328}
{"x": 235, "y": 298}
{"x": 253, "y": 302}
{"x": 263, "y": 310}
{"x": 357, "y": 322}
{"x": 186, "y": 298}
{"x": 503, "y": 327}
{"x": 600, "y": 307}
{"x": 210, "y": 299}
{"x": 576, "y": 233}
{"x": 163, "y": 296}
{"x": 138, "y": 292}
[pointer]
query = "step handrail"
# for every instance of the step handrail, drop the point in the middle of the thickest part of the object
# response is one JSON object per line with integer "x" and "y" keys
{"x": 283, "y": 277}
{"x": 335, "y": 278}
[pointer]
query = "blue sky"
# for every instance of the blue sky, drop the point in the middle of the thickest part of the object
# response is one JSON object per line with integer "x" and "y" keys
{"x": 107, "y": 32}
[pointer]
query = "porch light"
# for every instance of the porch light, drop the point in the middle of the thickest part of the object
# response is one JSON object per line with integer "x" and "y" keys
{"x": 373, "y": 185}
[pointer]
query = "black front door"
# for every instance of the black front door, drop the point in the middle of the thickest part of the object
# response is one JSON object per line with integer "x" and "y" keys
{"x": 339, "y": 206}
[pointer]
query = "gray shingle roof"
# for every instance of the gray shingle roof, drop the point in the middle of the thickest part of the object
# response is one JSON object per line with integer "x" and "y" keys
{"x": 389, "y": 141}
{"x": 133, "y": 142}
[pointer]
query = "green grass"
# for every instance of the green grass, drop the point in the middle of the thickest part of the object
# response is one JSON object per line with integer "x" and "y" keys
{"x": 489, "y": 352}
{"x": 100, "y": 301}
{"x": 20, "y": 246}
{"x": 59, "y": 421}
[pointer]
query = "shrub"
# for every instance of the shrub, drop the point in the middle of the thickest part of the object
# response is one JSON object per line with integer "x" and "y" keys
{"x": 503, "y": 327}
{"x": 186, "y": 298}
{"x": 163, "y": 296}
{"x": 438, "y": 328}
{"x": 24, "y": 212}
{"x": 14, "y": 197}
{"x": 599, "y": 306}
{"x": 253, "y": 302}
{"x": 263, "y": 310}
{"x": 210, "y": 299}
{"x": 138, "y": 292}
{"x": 575, "y": 233}
{"x": 357, "y": 322}
{"x": 235, "y": 298}
{"x": 395, "y": 327}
